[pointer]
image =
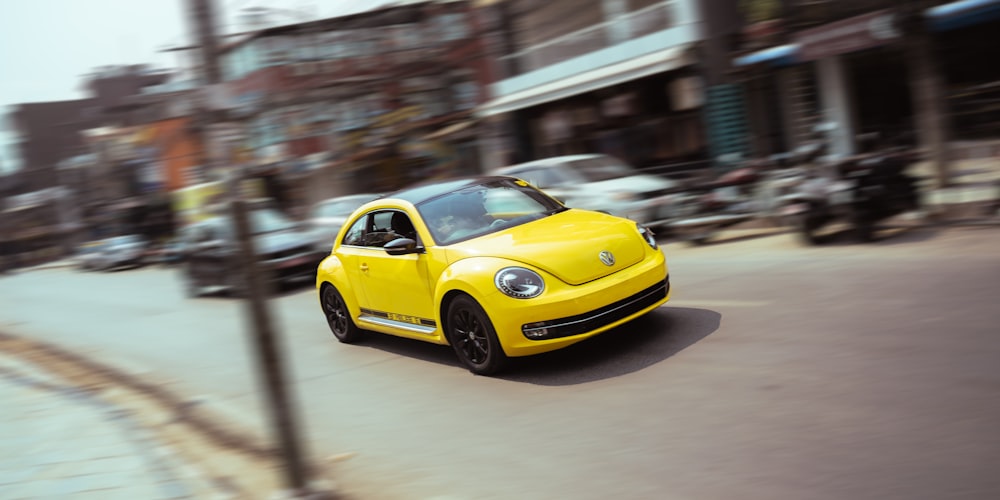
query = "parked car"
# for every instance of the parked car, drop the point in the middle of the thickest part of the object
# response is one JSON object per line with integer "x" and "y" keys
{"x": 167, "y": 253}
{"x": 87, "y": 254}
{"x": 286, "y": 252}
{"x": 602, "y": 183}
{"x": 328, "y": 216}
{"x": 490, "y": 265}
{"x": 120, "y": 251}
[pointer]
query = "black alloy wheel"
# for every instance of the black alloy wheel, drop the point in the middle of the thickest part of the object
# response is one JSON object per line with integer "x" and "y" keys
{"x": 338, "y": 316}
{"x": 471, "y": 334}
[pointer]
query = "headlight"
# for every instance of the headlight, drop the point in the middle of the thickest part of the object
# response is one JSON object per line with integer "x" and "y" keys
{"x": 519, "y": 282}
{"x": 647, "y": 234}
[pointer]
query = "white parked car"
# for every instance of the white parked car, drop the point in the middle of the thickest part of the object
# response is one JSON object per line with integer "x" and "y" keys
{"x": 88, "y": 254}
{"x": 601, "y": 183}
{"x": 327, "y": 216}
{"x": 120, "y": 251}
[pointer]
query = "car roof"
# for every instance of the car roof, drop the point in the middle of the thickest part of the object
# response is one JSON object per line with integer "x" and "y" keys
{"x": 422, "y": 192}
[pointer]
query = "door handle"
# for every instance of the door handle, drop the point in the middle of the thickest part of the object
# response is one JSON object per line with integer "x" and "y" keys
{"x": 364, "y": 268}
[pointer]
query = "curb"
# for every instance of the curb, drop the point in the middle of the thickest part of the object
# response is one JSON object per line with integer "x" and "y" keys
{"x": 181, "y": 475}
{"x": 203, "y": 415}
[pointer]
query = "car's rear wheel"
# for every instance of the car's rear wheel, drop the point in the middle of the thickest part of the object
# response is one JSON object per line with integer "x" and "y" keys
{"x": 471, "y": 334}
{"x": 338, "y": 316}
{"x": 192, "y": 288}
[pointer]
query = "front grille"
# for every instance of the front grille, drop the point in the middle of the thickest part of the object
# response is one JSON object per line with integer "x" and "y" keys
{"x": 583, "y": 323}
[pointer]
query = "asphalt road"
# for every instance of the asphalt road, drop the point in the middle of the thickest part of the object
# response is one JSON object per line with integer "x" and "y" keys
{"x": 776, "y": 371}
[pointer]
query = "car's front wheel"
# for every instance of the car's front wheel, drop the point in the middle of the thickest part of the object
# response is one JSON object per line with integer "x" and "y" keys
{"x": 338, "y": 316}
{"x": 471, "y": 334}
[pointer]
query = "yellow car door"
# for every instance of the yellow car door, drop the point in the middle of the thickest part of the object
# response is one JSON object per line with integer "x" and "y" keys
{"x": 397, "y": 287}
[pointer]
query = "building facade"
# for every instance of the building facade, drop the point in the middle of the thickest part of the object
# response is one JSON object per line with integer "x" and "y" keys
{"x": 78, "y": 176}
{"x": 911, "y": 72}
{"x": 367, "y": 102}
{"x": 621, "y": 77}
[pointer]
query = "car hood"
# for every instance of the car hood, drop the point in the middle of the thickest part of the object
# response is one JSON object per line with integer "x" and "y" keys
{"x": 281, "y": 241}
{"x": 567, "y": 245}
{"x": 646, "y": 186}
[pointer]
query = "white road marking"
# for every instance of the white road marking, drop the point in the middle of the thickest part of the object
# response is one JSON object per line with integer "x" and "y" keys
{"x": 718, "y": 303}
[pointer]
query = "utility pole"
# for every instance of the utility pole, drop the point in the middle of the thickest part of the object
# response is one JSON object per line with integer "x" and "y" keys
{"x": 724, "y": 110}
{"x": 929, "y": 106}
{"x": 269, "y": 357}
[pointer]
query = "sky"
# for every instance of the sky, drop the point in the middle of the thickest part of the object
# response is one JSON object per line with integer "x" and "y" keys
{"x": 47, "y": 45}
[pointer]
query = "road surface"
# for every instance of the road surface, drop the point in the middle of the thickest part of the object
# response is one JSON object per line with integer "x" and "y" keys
{"x": 776, "y": 371}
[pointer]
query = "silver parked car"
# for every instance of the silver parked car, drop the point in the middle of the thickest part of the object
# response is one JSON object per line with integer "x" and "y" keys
{"x": 120, "y": 251}
{"x": 601, "y": 183}
{"x": 328, "y": 216}
{"x": 88, "y": 254}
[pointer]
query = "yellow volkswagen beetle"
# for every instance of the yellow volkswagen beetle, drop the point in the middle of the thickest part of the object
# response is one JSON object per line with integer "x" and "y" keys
{"x": 491, "y": 266}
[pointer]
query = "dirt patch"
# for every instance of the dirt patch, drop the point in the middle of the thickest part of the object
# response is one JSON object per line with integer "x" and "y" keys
{"x": 235, "y": 462}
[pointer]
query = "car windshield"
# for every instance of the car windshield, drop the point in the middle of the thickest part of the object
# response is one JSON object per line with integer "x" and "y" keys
{"x": 123, "y": 240}
{"x": 341, "y": 207}
{"x": 269, "y": 220}
{"x": 601, "y": 168}
{"x": 484, "y": 209}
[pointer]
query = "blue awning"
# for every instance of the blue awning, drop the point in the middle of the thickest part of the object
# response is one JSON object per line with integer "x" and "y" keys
{"x": 962, "y": 13}
{"x": 782, "y": 55}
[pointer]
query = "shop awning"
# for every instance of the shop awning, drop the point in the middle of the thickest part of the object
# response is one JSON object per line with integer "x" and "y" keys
{"x": 780, "y": 55}
{"x": 962, "y": 13}
{"x": 612, "y": 74}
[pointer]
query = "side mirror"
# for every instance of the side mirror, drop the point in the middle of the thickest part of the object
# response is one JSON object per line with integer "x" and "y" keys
{"x": 402, "y": 246}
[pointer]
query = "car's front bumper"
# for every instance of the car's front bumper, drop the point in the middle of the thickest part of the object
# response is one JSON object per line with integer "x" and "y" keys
{"x": 296, "y": 268}
{"x": 574, "y": 313}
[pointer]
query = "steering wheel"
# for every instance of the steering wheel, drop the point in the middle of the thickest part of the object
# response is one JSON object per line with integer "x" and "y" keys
{"x": 498, "y": 223}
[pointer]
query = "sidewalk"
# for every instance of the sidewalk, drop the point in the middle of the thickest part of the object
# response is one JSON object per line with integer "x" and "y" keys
{"x": 973, "y": 196}
{"x": 60, "y": 442}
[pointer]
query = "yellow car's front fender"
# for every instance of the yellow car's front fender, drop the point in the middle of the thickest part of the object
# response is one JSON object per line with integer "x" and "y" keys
{"x": 331, "y": 270}
{"x": 472, "y": 276}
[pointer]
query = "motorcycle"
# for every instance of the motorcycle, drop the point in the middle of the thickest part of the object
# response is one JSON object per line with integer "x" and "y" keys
{"x": 753, "y": 190}
{"x": 861, "y": 190}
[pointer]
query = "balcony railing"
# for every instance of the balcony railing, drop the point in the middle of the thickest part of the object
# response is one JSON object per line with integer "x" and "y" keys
{"x": 599, "y": 36}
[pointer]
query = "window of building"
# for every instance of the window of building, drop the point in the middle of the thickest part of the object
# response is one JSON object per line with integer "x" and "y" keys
{"x": 452, "y": 26}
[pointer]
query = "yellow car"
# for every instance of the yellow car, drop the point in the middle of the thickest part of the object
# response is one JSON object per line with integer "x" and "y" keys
{"x": 491, "y": 266}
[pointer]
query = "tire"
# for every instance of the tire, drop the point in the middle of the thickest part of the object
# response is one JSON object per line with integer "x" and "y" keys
{"x": 191, "y": 288}
{"x": 236, "y": 285}
{"x": 864, "y": 229}
{"x": 700, "y": 240}
{"x": 473, "y": 338}
{"x": 805, "y": 228}
{"x": 338, "y": 316}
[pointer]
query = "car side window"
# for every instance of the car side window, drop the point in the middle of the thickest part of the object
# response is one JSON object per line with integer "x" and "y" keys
{"x": 200, "y": 234}
{"x": 355, "y": 235}
{"x": 381, "y": 230}
{"x": 210, "y": 233}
